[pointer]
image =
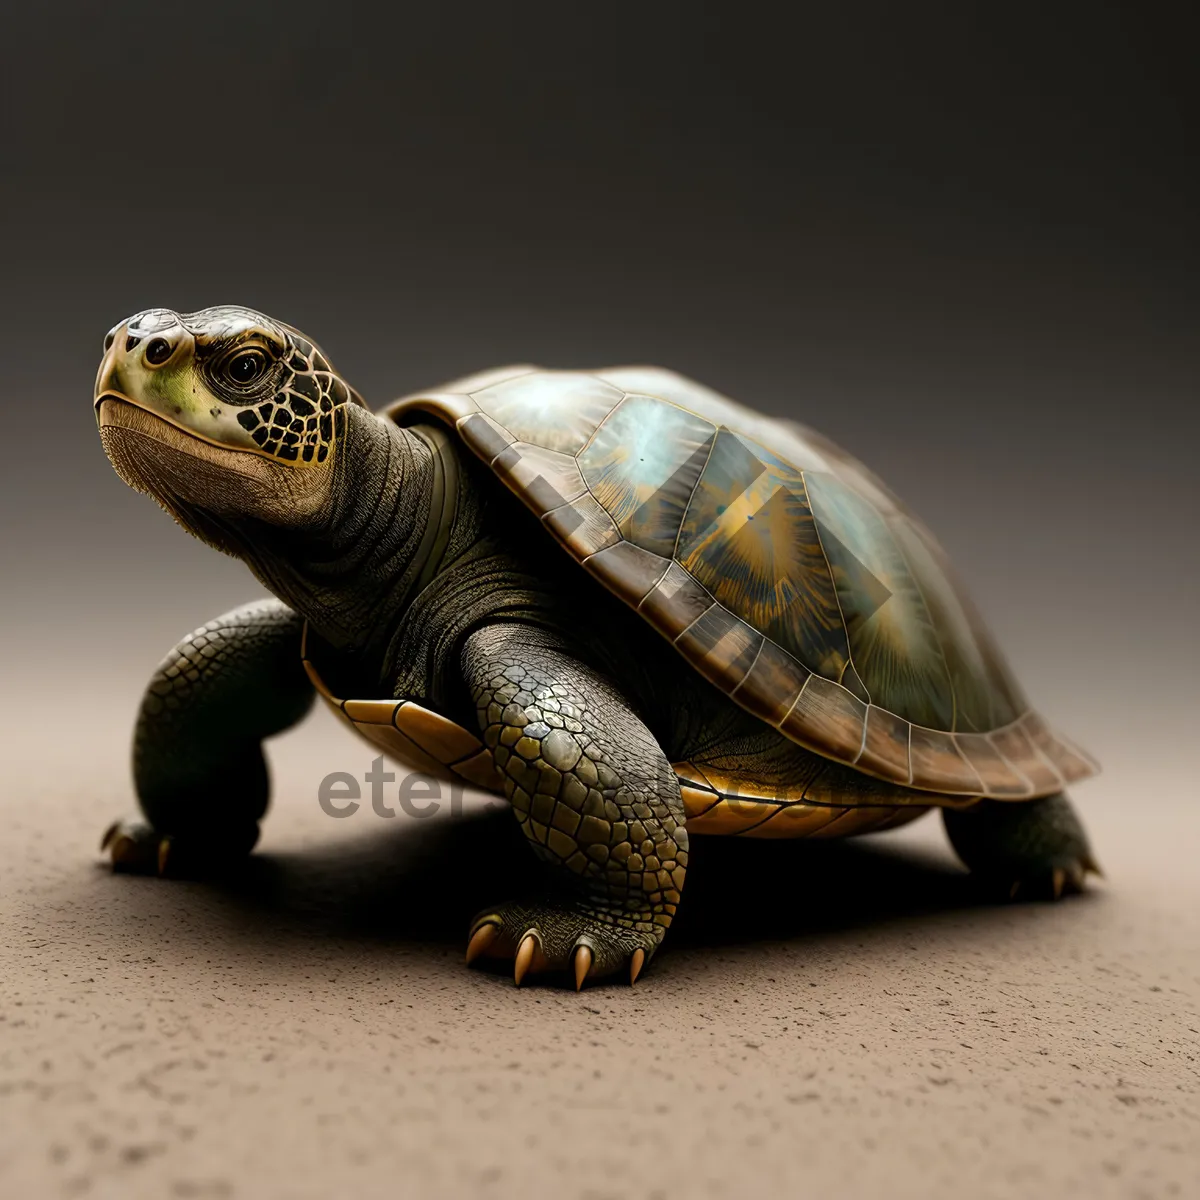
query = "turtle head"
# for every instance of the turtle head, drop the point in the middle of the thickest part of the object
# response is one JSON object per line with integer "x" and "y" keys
{"x": 229, "y": 377}
{"x": 223, "y": 411}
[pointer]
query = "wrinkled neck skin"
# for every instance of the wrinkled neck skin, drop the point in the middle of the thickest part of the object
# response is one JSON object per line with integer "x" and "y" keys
{"x": 352, "y": 566}
{"x": 348, "y": 545}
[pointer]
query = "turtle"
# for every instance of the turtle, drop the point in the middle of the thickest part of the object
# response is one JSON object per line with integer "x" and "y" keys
{"x": 638, "y": 610}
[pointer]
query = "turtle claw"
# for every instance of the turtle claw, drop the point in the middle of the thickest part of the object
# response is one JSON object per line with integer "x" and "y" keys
{"x": 123, "y": 851}
{"x": 133, "y": 847}
{"x": 136, "y": 848}
{"x": 542, "y": 938}
{"x": 481, "y": 939}
{"x": 635, "y": 965}
{"x": 1068, "y": 879}
{"x": 109, "y": 834}
{"x": 488, "y": 940}
{"x": 583, "y": 964}
{"x": 1053, "y": 882}
{"x": 524, "y": 959}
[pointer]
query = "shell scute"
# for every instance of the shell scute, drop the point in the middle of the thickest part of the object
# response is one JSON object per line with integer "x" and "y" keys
{"x": 893, "y": 639}
{"x": 548, "y": 478}
{"x": 934, "y": 754}
{"x": 627, "y": 569}
{"x": 582, "y": 526}
{"x": 722, "y": 647}
{"x": 1015, "y": 745}
{"x": 885, "y": 745}
{"x": 829, "y": 717}
{"x": 559, "y": 410}
{"x": 773, "y": 684}
{"x": 985, "y": 695}
{"x": 675, "y": 601}
{"x": 642, "y": 465}
{"x": 750, "y": 539}
{"x": 1000, "y": 777}
{"x": 484, "y": 436}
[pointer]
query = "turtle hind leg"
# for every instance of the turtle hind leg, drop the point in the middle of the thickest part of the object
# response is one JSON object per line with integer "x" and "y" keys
{"x": 198, "y": 765}
{"x": 1035, "y": 848}
{"x": 597, "y": 801}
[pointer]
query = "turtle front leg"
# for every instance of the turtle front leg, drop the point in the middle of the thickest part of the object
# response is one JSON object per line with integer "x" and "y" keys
{"x": 198, "y": 764}
{"x": 595, "y": 796}
{"x": 1038, "y": 847}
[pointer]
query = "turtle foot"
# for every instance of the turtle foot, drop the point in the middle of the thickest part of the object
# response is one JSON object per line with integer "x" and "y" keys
{"x": 1029, "y": 851}
{"x": 1053, "y": 882}
{"x": 136, "y": 848}
{"x": 573, "y": 939}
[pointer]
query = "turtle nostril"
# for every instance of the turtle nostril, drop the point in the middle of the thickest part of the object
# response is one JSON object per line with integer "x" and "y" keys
{"x": 158, "y": 351}
{"x": 130, "y": 343}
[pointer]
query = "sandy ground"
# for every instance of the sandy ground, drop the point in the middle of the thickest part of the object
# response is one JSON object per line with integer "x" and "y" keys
{"x": 830, "y": 1020}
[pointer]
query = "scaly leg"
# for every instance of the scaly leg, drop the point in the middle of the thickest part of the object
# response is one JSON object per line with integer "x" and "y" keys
{"x": 1039, "y": 845}
{"x": 198, "y": 764}
{"x": 595, "y": 796}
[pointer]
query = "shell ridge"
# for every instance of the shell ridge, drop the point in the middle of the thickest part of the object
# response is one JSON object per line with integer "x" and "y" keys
{"x": 1016, "y": 770}
{"x": 799, "y": 695}
{"x": 567, "y": 503}
{"x": 838, "y": 599}
{"x": 717, "y": 801}
{"x": 1046, "y": 758}
{"x": 656, "y": 583}
{"x": 983, "y": 787}
{"x": 846, "y": 811}
{"x": 691, "y": 496}
{"x": 599, "y": 425}
{"x": 862, "y": 746}
{"x": 715, "y": 604}
{"x": 753, "y": 663}
{"x": 937, "y": 633}
{"x": 773, "y": 807}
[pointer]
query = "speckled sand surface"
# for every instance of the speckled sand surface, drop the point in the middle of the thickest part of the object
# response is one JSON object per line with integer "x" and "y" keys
{"x": 830, "y": 1020}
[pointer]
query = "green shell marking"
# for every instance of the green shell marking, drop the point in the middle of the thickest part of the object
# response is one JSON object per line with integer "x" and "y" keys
{"x": 778, "y": 566}
{"x": 642, "y": 466}
{"x": 749, "y": 537}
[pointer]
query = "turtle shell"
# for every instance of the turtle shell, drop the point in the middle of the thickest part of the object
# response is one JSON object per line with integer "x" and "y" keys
{"x": 781, "y": 568}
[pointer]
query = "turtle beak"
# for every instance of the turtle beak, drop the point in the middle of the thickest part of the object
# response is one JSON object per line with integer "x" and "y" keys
{"x": 108, "y": 378}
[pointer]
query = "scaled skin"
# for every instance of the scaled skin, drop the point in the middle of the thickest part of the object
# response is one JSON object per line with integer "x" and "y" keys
{"x": 423, "y": 579}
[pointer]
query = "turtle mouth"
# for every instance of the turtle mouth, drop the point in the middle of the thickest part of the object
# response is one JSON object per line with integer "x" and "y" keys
{"x": 110, "y": 403}
{"x": 115, "y": 410}
{"x": 117, "y": 398}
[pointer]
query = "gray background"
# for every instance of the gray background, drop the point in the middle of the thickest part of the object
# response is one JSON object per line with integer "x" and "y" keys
{"x": 960, "y": 240}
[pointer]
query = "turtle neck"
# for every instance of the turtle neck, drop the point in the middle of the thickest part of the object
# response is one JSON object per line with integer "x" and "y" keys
{"x": 353, "y": 569}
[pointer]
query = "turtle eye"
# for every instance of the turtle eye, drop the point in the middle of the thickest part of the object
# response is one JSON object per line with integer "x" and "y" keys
{"x": 246, "y": 367}
{"x": 158, "y": 351}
